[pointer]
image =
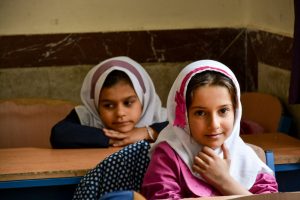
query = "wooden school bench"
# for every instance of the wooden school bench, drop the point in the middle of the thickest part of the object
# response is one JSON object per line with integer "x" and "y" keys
{"x": 27, "y": 122}
{"x": 29, "y": 167}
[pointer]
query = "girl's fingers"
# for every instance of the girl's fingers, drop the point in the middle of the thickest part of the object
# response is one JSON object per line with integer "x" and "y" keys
{"x": 117, "y": 143}
{"x": 208, "y": 151}
{"x": 197, "y": 169}
{"x": 204, "y": 157}
{"x": 199, "y": 162}
{"x": 110, "y": 132}
{"x": 114, "y": 134}
{"x": 226, "y": 154}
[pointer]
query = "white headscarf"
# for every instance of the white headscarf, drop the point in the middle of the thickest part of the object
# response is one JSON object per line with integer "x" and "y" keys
{"x": 88, "y": 112}
{"x": 245, "y": 164}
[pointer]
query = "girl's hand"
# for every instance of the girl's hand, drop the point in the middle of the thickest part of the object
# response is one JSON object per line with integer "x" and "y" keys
{"x": 215, "y": 171}
{"x": 211, "y": 167}
{"x": 118, "y": 139}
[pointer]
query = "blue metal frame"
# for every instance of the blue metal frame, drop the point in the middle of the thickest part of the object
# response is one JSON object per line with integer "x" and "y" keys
{"x": 287, "y": 167}
{"x": 40, "y": 182}
{"x": 270, "y": 159}
{"x": 279, "y": 167}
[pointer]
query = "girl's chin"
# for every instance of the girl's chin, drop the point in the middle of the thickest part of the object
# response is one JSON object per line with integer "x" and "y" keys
{"x": 213, "y": 146}
{"x": 124, "y": 130}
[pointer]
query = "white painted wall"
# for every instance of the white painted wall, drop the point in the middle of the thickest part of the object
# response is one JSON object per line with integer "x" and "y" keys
{"x": 71, "y": 16}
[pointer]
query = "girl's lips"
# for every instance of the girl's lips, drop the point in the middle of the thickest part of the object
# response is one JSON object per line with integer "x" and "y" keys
{"x": 121, "y": 123}
{"x": 213, "y": 135}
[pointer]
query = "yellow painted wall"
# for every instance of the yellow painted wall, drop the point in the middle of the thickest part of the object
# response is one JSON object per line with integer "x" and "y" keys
{"x": 71, "y": 16}
{"x": 275, "y": 16}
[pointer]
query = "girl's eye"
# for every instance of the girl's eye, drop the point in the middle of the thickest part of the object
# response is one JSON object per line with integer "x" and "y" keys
{"x": 128, "y": 103}
{"x": 199, "y": 113}
{"x": 108, "y": 105}
{"x": 224, "y": 110}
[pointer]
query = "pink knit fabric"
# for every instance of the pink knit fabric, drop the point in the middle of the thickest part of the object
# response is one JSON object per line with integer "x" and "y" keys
{"x": 169, "y": 176}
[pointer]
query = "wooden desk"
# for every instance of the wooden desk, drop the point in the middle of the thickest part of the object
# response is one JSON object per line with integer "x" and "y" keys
{"x": 215, "y": 198}
{"x": 273, "y": 196}
{"x": 27, "y": 167}
{"x": 286, "y": 149}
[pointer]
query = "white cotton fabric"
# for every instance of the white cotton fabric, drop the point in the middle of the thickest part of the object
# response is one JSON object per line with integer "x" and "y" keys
{"x": 153, "y": 111}
{"x": 245, "y": 164}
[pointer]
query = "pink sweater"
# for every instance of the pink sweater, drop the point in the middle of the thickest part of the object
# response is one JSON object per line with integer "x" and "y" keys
{"x": 167, "y": 177}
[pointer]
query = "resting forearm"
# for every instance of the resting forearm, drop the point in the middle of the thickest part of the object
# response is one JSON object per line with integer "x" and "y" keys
{"x": 232, "y": 187}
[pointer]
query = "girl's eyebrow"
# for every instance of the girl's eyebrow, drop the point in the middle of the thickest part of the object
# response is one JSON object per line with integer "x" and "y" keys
{"x": 225, "y": 105}
{"x": 203, "y": 107}
{"x": 131, "y": 97}
{"x": 105, "y": 100}
{"x": 197, "y": 107}
{"x": 124, "y": 99}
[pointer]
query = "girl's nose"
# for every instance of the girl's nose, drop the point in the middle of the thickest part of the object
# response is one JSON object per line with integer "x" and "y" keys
{"x": 121, "y": 111}
{"x": 214, "y": 122}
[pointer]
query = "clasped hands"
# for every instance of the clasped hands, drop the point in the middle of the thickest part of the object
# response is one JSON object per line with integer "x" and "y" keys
{"x": 118, "y": 139}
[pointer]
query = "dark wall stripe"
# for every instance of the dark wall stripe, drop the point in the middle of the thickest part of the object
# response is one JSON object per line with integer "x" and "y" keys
{"x": 238, "y": 48}
{"x": 90, "y": 48}
{"x": 272, "y": 49}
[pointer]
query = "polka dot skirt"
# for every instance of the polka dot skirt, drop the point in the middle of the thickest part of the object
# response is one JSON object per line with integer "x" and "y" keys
{"x": 123, "y": 170}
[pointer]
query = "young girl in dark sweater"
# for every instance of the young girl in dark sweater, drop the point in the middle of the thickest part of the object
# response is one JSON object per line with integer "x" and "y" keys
{"x": 120, "y": 107}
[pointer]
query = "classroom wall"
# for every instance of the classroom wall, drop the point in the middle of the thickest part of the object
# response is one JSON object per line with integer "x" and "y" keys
{"x": 77, "y": 16}
{"x": 41, "y": 16}
{"x": 254, "y": 25}
{"x": 275, "y": 16}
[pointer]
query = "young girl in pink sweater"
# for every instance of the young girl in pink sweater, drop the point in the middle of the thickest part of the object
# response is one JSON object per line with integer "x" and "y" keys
{"x": 200, "y": 152}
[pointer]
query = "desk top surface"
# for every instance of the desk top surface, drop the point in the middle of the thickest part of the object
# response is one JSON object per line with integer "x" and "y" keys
{"x": 33, "y": 163}
{"x": 37, "y": 163}
{"x": 286, "y": 149}
{"x": 273, "y": 196}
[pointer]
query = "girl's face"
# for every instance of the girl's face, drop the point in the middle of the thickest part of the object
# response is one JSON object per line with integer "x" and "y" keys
{"x": 211, "y": 115}
{"x": 119, "y": 107}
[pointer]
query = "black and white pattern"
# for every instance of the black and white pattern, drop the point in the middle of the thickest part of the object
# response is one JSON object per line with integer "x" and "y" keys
{"x": 123, "y": 170}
